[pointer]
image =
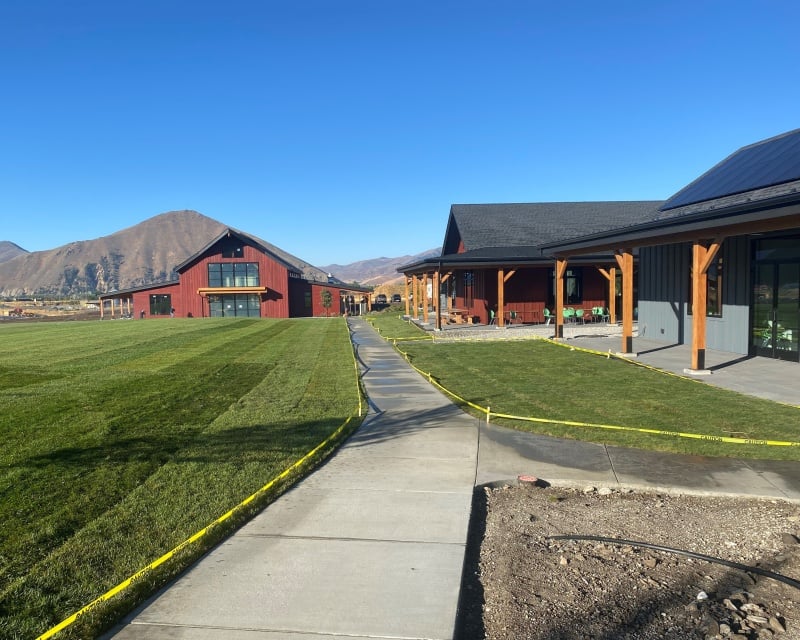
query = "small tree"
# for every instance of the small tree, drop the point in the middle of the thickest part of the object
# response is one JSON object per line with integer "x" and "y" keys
{"x": 327, "y": 301}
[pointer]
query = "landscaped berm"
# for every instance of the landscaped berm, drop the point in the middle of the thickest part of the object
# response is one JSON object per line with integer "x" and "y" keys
{"x": 120, "y": 440}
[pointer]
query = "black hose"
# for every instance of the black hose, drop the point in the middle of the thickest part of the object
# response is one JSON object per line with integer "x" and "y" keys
{"x": 691, "y": 554}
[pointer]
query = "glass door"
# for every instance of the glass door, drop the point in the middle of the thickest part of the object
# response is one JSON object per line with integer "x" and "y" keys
{"x": 776, "y": 311}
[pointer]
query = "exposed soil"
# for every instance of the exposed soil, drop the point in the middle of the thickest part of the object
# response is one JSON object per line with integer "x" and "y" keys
{"x": 521, "y": 584}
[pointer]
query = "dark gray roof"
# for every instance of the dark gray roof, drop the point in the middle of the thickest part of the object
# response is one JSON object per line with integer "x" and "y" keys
{"x": 480, "y": 226}
{"x": 292, "y": 263}
{"x": 767, "y": 163}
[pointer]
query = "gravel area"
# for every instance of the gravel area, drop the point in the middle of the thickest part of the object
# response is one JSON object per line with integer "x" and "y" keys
{"x": 522, "y": 583}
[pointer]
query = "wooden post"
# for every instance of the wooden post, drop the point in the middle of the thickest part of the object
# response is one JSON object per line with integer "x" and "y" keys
{"x": 702, "y": 257}
{"x": 626, "y": 259}
{"x": 498, "y": 314}
{"x": 405, "y": 280}
{"x": 437, "y": 301}
{"x": 425, "y": 297}
{"x": 561, "y": 269}
{"x": 415, "y": 295}
{"x": 611, "y": 275}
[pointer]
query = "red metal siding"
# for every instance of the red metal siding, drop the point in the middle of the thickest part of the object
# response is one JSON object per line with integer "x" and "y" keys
{"x": 141, "y": 300}
{"x": 274, "y": 276}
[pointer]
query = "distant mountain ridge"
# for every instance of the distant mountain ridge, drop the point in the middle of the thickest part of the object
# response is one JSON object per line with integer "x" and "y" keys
{"x": 9, "y": 251}
{"x": 377, "y": 271}
{"x": 145, "y": 253}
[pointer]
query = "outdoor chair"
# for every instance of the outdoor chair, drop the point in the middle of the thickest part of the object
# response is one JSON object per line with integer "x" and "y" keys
{"x": 569, "y": 314}
{"x": 602, "y": 314}
{"x": 547, "y": 315}
{"x": 579, "y": 316}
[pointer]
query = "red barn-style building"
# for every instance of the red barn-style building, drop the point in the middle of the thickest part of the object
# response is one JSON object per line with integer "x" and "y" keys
{"x": 238, "y": 275}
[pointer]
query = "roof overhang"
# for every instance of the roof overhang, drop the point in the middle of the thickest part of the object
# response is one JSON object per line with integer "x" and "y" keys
{"x": 712, "y": 222}
{"x": 466, "y": 261}
{"x": 213, "y": 291}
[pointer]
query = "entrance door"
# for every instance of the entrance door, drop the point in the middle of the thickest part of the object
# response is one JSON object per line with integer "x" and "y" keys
{"x": 776, "y": 310}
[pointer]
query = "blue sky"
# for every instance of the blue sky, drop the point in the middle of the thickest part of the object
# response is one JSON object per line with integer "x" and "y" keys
{"x": 342, "y": 131}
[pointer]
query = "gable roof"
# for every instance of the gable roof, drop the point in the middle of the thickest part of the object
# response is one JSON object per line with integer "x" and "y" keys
{"x": 483, "y": 226}
{"x": 291, "y": 263}
{"x": 763, "y": 164}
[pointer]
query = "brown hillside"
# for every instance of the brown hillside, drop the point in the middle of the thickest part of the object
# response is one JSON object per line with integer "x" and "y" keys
{"x": 9, "y": 251}
{"x": 142, "y": 254}
{"x": 377, "y": 271}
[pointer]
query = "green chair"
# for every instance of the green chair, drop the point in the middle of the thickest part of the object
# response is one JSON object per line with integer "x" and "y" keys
{"x": 579, "y": 316}
{"x": 548, "y": 317}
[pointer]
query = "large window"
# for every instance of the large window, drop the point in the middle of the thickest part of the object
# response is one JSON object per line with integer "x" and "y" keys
{"x": 234, "y": 305}
{"x": 713, "y": 289}
{"x": 233, "y": 274}
{"x": 160, "y": 304}
{"x": 573, "y": 287}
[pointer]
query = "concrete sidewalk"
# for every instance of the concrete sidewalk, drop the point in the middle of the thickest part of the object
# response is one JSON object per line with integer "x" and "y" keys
{"x": 372, "y": 544}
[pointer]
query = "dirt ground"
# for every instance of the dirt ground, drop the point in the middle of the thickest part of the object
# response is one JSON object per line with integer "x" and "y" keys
{"x": 522, "y": 584}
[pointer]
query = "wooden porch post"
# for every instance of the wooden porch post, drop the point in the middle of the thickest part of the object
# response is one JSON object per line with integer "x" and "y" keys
{"x": 437, "y": 301}
{"x": 625, "y": 261}
{"x": 425, "y": 297}
{"x": 702, "y": 257}
{"x": 405, "y": 283}
{"x": 501, "y": 303}
{"x": 415, "y": 294}
{"x": 102, "y": 308}
{"x": 561, "y": 269}
{"x": 611, "y": 275}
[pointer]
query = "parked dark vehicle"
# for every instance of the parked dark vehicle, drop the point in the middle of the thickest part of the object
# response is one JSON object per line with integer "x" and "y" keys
{"x": 381, "y": 299}
{"x": 396, "y": 298}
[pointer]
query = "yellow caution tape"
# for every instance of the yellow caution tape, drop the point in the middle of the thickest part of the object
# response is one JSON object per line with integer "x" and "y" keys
{"x": 309, "y": 457}
{"x": 697, "y": 436}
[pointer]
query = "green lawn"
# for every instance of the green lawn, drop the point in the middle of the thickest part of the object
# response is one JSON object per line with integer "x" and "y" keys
{"x": 120, "y": 439}
{"x": 535, "y": 378}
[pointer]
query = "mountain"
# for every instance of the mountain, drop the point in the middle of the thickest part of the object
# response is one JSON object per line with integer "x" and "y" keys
{"x": 142, "y": 254}
{"x": 9, "y": 250}
{"x": 380, "y": 273}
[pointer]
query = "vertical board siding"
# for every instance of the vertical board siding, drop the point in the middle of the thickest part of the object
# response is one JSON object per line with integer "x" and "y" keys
{"x": 664, "y": 293}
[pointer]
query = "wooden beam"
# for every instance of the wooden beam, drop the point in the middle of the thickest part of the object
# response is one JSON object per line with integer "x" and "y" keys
{"x": 407, "y": 300}
{"x": 627, "y": 301}
{"x": 699, "y": 305}
{"x": 561, "y": 268}
{"x": 415, "y": 294}
{"x": 437, "y": 301}
{"x": 425, "y": 297}
{"x": 498, "y": 313}
{"x": 711, "y": 253}
{"x": 509, "y": 274}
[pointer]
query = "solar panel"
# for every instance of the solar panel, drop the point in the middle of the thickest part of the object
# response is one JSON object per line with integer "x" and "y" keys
{"x": 763, "y": 164}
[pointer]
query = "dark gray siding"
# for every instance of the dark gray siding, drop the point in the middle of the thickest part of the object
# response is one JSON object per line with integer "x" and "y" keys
{"x": 664, "y": 292}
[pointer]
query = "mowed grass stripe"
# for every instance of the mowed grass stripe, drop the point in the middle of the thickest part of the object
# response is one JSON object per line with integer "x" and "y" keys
{"x": 535, "y": 378}
{"x": 162, "y": 452}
